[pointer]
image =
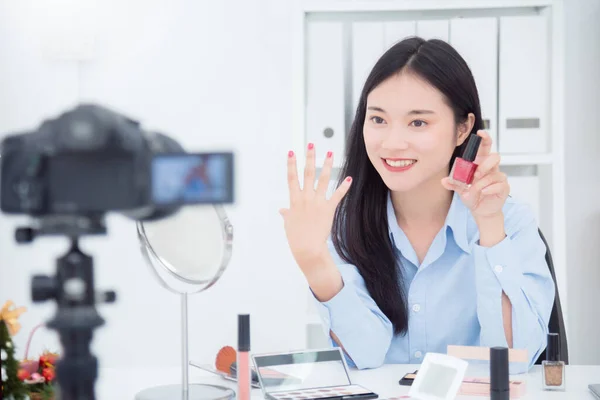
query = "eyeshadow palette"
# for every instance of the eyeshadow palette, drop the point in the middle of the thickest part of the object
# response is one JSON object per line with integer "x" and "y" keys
{"x": 334, "y": 392}
{"x": 399, "y": 397}
{"x": 308, "y": 375}
{"x": 481, "y": 387}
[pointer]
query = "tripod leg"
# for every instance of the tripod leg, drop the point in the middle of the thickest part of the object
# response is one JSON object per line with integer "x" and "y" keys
{"x": 76, "y": 372}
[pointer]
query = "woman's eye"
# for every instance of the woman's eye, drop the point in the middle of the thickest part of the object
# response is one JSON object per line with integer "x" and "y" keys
{"x": 418, "y": 123}
{"x": 377, "y": 120}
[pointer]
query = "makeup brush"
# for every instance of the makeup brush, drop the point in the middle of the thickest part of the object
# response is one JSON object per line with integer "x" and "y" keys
{"x": 225, "y": 357}
{"x": 226, "y": 362}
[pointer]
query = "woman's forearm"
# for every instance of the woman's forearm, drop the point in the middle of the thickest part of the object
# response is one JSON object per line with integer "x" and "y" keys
{"x": 353, "y": 319}
{"x": 491, "y": 232}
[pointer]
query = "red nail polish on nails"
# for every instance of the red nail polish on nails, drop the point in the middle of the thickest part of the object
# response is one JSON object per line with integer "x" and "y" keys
{"x": 310, "y": 146}
{"x": 349, "y": 179}
{"x": 290, "y": 154}
{"x": 329, "y": 154}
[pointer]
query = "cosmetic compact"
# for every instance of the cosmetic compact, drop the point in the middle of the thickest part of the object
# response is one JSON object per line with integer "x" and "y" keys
{"x": 439, "y": 377}
{"x": 408, "y": 379}
{"x": 309, "y": 375}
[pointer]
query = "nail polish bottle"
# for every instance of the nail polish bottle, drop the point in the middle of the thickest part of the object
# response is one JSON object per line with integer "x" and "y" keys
{"x": 499, "y": 384}
{"x": 553, "y": 369}
{"x": 464, "y": 168}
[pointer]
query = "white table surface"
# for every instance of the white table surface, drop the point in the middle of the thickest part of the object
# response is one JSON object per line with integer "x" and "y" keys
{"x": 124, "y": 383}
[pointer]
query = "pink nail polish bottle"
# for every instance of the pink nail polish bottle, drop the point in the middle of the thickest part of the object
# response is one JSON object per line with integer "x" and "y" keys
{"x": 464, "y": 168}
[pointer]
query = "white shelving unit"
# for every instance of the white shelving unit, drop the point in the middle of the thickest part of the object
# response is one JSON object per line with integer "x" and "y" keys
{"x": 515, "y": 50}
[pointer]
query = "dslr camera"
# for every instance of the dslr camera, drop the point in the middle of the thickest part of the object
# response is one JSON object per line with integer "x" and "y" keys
{"x": 90, "y": 161}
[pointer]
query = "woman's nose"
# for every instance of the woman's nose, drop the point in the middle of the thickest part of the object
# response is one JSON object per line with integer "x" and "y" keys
{"x": 395, "y": 141}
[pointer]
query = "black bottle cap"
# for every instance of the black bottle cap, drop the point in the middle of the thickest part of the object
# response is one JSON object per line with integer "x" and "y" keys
{"x": 472, "y": 147}
{"x": 243, "y": 332}
{"x": 499, "y": 370}
{"x": 553, "y": 347}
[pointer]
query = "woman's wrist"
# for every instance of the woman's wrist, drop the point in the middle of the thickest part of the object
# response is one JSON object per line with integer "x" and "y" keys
{"x": 324, "y": 279}
{"x": 491, "y": 229}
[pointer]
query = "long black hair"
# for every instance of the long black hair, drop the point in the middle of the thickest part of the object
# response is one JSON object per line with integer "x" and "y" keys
{"x": 360, "y": 228}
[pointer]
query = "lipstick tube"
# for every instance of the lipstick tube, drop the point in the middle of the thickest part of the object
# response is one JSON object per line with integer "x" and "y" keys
{"x": 243, "y": 357}
{"x": 499, "y": 383}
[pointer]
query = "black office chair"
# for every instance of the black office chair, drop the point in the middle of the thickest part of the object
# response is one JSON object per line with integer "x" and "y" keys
{"x": 557, "y": 323}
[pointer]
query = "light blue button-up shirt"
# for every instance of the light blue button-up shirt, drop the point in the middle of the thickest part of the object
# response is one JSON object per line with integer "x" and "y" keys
{"x": 454, "y": 296}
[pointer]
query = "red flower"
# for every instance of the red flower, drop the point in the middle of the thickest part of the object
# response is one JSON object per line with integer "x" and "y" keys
{"x": 49, "y": 374}
{"x": 23, "y": 374}
{"x": 48, "y": 359}
{"x": 52, "y": 358}
{"x": 43, "y": 359}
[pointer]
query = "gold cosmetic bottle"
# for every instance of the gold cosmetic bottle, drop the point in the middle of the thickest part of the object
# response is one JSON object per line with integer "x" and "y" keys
{"x": 553, "y": 369}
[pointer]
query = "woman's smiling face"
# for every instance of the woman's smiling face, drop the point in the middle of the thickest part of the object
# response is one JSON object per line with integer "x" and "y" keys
{"x": 410, "y": 132}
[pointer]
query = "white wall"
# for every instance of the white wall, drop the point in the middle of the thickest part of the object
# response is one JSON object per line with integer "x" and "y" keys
{"x": 214, "y": 76}
{"x": 582, "y": 152}
{"x": 217, "y": 75}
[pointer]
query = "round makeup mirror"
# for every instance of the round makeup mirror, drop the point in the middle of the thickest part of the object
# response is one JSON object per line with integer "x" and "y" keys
{"x": 187, "y": 253}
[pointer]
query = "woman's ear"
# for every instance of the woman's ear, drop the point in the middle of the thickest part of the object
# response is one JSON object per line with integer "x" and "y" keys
{"x": 464, "y": 128}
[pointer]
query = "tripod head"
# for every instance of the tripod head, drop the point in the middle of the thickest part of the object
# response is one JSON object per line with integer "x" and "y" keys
{"x": 73, "y": 290}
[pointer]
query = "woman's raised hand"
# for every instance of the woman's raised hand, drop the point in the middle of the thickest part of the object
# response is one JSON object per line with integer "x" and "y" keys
{"x": 309, "y": 218}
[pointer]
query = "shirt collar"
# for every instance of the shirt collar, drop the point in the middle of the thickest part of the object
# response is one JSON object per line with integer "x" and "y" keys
{"x": 457, "y": 220}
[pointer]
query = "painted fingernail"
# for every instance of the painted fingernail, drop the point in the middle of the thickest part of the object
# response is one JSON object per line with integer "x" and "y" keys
{"x": 349, "y": 179}
{"x": 290, "y": 154}
{"x": 329, "y": 154}
{"x": 310, "y": 146}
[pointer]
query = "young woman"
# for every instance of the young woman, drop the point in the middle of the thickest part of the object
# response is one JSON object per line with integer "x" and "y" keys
{"x": 400, "y": 260}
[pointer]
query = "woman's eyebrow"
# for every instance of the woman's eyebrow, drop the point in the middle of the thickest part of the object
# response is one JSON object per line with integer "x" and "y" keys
{"x": 375, "y": 108}
{"x": 419, "y": 112}
{"x": 412, "y": 112}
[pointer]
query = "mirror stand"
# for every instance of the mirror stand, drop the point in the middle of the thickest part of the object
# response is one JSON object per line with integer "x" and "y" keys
{"x": 185, "y": 390}
{"x": 185, "y": 363}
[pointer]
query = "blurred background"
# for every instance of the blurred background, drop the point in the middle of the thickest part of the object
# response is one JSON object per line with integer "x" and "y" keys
{"x": 262, "y": 77}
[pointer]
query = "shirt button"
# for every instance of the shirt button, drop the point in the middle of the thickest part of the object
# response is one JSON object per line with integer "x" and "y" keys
{"x": 418, "y": 354}
{"x": 498, "y": 268}
{"x": 416, "y": 308}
